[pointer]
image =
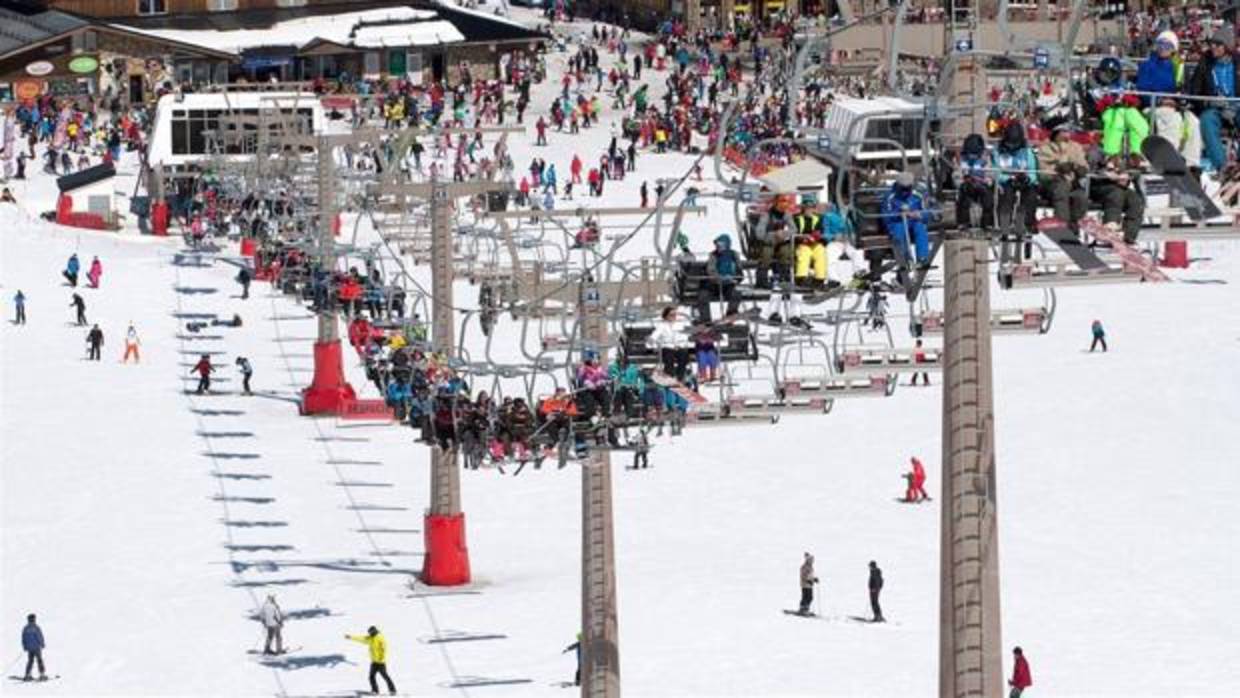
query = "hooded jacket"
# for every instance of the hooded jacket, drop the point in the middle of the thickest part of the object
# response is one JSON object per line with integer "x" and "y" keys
{"x": 723, "y": 262}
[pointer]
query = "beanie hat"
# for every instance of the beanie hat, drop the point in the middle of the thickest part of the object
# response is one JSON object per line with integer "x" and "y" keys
{"x": 1168, "y": 37}
{"x": 1225, "y": 35}
{"x": 905, "y": 179}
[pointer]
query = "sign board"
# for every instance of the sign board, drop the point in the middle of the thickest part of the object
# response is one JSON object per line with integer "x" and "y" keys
{"x": 824, "y": 141}
{"x": 1041, "y": 58}
{"x": 964, "y": 45}
{"x": 28, "y": 90}
{"x": 40, "y": 68}
{"x": 83, "y": 64}
{"x": 67, "y": 88}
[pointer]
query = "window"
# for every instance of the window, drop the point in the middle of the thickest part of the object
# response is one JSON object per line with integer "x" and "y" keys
{"x": 152, "y": 7}
{"x": 85, "y": 42}
{"x": 290, "y": 3}
{"x": 221, "y": 5}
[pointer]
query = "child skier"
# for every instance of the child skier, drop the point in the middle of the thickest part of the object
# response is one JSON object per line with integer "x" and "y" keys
{"x": 243, "y": 364}
{"x": 131, "y": 345}
{"x": 1100, "y": 336}
{"x": 916, "y": 491}
{"x": 204, "y": 369}
{"x": 19, "y": 304}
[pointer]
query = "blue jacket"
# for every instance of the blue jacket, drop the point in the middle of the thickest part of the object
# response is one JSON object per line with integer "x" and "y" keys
{"x": 835, "y": 225}
{"x": 1096, "y": 328}
{"x": 1157, "y": 74}
{"x": 1010, "y": 165}
{"x": 895, "y": 202}
{"x": 73, "y": 265}
{"x": 398, "y": 392}
{"x": 32, "y": 638}
{"x": 628, "y": 377}
{"x": 673, "y": 401}
{"x": 20, "y": 299}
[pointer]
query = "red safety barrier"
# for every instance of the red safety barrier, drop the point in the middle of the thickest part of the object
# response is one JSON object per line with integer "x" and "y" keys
{"x": 249, "y": 247}
{"x": 84, "y": 219}
{"x": 446, "y": 562}
{"x": 328, "y": 392}
{"x": 1175, "y": 254}
{"x": 159, "y": 217}
{"x": 64, "y": 209}
{"x": 367, "y": 409}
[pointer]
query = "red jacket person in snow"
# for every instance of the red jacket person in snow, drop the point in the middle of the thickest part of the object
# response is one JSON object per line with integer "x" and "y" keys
{"x": 1021, "y": 678}
{"x": 916, "y": 491}
{"x": 204, "y": 369}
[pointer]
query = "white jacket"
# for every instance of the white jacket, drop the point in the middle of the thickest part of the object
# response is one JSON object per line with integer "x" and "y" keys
{"x": 271, "y": 615}
{"x": 668, "y": 334}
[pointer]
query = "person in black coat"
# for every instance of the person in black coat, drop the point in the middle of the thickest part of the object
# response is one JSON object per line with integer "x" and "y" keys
{"x": 876, "y": 587}
{"x": 95, "y": 339}
{"x": 80, "y": 305}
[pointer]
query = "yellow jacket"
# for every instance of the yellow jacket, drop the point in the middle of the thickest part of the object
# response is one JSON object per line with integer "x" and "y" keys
{"x": 376, "y": 643}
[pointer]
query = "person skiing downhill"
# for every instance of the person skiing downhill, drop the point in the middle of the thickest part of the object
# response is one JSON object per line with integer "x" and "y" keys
{"x": 204, "y": 370}
{"x": 808, "y": 580}
{"x": 876, "y": 587}
{"x": 243, "y": 365}
{"x": 273, "y": 621}
{"x": 378, "y": 657}
{"x": 575, "y": 647}
{"x": 19, "y": 305}
{"x": 95, "y": 273}
{"x": 94, "y": 340}
{"x": 131, "y": 345}
{"x": 32, "y": 645}
{"x": 80, "y": 306}
{"x": 243, "y": 278}
{"x": 1100, "y": 336}
{"x": 72, "y": 267}
{"x": 916, "y": 491}
{"x": 1021, "y": 678}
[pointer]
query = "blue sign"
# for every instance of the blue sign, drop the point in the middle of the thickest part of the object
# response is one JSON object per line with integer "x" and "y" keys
{"x": 1041, "y": 58}
{"x": 824, "y": 142}
{"x": 964, "y": 45}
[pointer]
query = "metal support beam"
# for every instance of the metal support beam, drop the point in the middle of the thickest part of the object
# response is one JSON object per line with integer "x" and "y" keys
{"x": 326, "y": 249}
{"x": 970, "y": 646}
{"x": 600, "y": 637}
{"x": 445, "y": 477}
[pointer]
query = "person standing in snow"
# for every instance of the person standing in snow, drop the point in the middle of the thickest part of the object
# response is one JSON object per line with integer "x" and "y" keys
{"x": 919, "y": 356}
{"x": 80, "y": 306}
{"x": 204, "y": 370}
{"x": 808, "y": 580}
{"x": 243, "y": 364}
{"x": 243, "y": 278}
{"x": 95, "y": 273}
{"x": 1021, "y": 678}
{"x": 273, "y": 621}
{"x": 378, "y": 657}
{"x": 916, "y": 490}
{"x": 131, "y": 345}
{"x": 72, "y": 267}
{"x": 32, "y": 645}
{"x": 19, "y": 304}
{"x": 575, "y": 647}
{"x": 876, "y": 587}
{"x": 1100, "y": 336}
{"x": 94, "y": 339}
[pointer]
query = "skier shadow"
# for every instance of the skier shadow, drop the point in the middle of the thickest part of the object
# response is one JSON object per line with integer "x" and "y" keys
{"x": 253, "y": 523}
{"x": 200, "y": 337}
{"x": 302, "y": 614}
{"x": 274, "y": 548}
{"x": 214, "y": 413}
{"x": 195, "y": 316}
{"x": 226, "y": 455}
{"x": 242, "y": 500}
{"x": 271, "y": 583}
{"x": 193, "y": 290}
{"x": 226, "y": 434}
{"x": 241, "y": 476}
{"x": 295, "y": 663}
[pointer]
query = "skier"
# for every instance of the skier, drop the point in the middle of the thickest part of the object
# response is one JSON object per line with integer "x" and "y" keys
{"x": 808, "y": 580}
{"x": 80, "y": 305}
{"x": 95, "y": 272}
{"x": 645, "y": 195}
{"x": 33, "y": 644}
{"x": 204, "y": 369}
{"x": 72, "y": 267}
{"x": 919, "y": 356}
{"x": 378, "y": 657}
{"x": 916, "y": 491}
{"x": 1021, "y": 678}
{"x": 273, "y": 621}
{"x": 19, "y": 303}
{"x": 131, "y": 345}
{"x": 876, "y": 587}
{"x": 641, "y": 450}
{"x": 575, "y": 647}
{"x": 95, "y": 339}
{"x": 541, "y": 127}
{"x": 243, "y": 278}
{"x": 1100, "y": 336}
{"x": 243, "y": 364}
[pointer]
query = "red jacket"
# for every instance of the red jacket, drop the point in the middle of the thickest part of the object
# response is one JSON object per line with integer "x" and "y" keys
{"x": 919, "y": 473}
{"x": 1021, "y": 678}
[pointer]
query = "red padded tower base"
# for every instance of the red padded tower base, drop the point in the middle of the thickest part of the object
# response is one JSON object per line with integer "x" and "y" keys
{"x": 1175, "y": 254}
{"x": 159, "y": 218}
{"x": 447, "y": 559}
{"x": 249, "y": 246}
{"x": 328, "y": 393}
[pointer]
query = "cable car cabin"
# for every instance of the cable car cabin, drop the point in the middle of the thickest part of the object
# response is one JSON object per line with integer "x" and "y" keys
{"x": 735, "y": 341}
{"x": 1013, "y": 321}
{"x": 179, "y": 138}
{"x": 881, "y": 362}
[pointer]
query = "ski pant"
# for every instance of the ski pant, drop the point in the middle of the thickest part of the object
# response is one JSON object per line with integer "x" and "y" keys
{"x": 71, "y": 278}
{"x": 93, "y": 353}
{"x": 640, "y": 460}
{"x": 1028, "y": 208}
{"x": 245, "y": 382}
{"x": 1123, "y": 206}
{"x": 811, "y": 257}
{"x": 674, "y": 359}
{"x": 131, "y": 350}
{"x": 21, "y": 315}
{"x": 380, "y": 669}
{"x": 971, "y": 193}
{"x": 1182, "y": 129}
{"x": 913, "y": 231}
{"x": 925, "y": 377}
{"x": 807, "y": 598}
{"x": 1212, "y": 135}
{"x": 713, "y": 290}
{"x": 81, "y": 317}
{"x": 1098, "y": 339}
{"x": 1069, "y": 201}
{"x": 31, "y": 659}
{"x": 204, "y": 383}
{"x": 875, "y": 608}
{"x": 274, "y": 634}
{"x": 1119, "y": 123}
{"x": 245, "y": 290}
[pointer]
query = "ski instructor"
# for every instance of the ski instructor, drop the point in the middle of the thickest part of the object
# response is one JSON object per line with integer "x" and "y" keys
{"x": 378, "y": 657}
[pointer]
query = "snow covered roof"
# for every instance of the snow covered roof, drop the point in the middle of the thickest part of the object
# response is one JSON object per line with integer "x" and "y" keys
{"x": 405, "y": 34}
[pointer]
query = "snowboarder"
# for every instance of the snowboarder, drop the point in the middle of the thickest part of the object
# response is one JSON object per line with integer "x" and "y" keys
{"x": 1100, "y": 336}
{"x": 1021, "y": 678}
{"x": 19, "y": 304}
{"x": 808, "y": 580}
{"x": 95, "y": 272}
{"x": 204, "y": 370}
{"x": 243, "y": 364}
{"x": 243, "y": 278}
{"x": 919, "y": 356}
{"x": 80, "y": 305}
{"x": 378, "y": 657}
{"x": 131, "y": 345}
{"x": 916, "y": 478}
{"x": 876, "y": 586}
{"x": 33, "y": 644}
{"x": 273, "y": 621}
{"x": 72, "y": 267}
{"x": 94, "y": 338}
{"x": 575, "y": 647}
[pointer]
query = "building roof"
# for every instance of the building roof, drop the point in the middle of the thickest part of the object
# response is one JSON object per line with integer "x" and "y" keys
{"x": 20, "y": 27}
{"x": 86, "y": 177}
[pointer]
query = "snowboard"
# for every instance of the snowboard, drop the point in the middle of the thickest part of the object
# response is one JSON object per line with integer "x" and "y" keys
{"x": 1063, "y": 237}
{"x": 1187, "y": 191}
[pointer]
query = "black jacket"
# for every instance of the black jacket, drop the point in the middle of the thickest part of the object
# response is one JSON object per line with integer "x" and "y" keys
{"x": 876, "y": 579}
{"x": 1201, "y": 82}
